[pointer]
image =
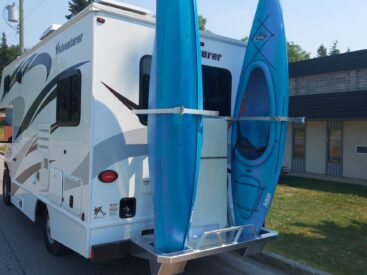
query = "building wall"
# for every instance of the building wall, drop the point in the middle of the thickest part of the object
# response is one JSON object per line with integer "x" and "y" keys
{"x": 346, "y": 81}
{"x": 354, "y": 133}
{"x": 316, "y": 147}
{"x": 354, "y": 165}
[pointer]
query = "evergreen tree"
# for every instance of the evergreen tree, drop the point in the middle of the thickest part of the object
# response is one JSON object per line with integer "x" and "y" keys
{"x": 334, "y": 48}
{"x": 4, "y": 55}
{"x": 76, "y": 6}
{"x": 7, "y": 54}
{"x": 322, "y": 51}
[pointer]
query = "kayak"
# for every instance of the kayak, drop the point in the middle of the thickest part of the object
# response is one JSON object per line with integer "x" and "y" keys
{"x": 258, "y": 146}
{"x": 175, "y": 141}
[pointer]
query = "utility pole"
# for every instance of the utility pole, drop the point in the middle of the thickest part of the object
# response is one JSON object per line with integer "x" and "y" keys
{"x": 21, "y": 26}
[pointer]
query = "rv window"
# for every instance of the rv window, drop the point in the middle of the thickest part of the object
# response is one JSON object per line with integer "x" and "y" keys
{"x": 7, "y": 84}
{"x": 217, "y": 85}
{"x": 69, "y": 99}
{"x": 145, "y": 65}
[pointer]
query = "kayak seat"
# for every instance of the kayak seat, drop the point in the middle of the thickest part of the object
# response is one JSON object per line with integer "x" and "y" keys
{"x": 248, "y": 150}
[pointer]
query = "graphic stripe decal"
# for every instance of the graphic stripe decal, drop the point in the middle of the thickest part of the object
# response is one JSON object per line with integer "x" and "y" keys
{"x": 50, "y": 98}
{"x": 14, "y": 188}
{"x": 54, "y": 127}
{"x": 43, "y": 59}
{"x": 128, "y": 103}
{"x": 28, "y": 173}
{"x": 32, "y": 148}
{"x": 32, "y": 110}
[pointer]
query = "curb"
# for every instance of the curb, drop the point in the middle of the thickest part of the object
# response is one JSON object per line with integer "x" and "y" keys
{"x": 287, "y": 265}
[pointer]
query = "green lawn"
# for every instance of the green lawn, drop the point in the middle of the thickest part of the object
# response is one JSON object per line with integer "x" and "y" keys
{"x": 321, "y": 224}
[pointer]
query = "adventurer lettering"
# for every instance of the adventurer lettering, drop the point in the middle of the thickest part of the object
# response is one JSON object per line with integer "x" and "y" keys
{"x": 61, "y": 47}
{"x": 210, "y": 55}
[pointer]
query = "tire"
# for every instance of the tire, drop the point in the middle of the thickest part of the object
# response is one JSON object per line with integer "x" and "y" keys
{"x": 6, "y": 188}
{"x": 54, "y": 247}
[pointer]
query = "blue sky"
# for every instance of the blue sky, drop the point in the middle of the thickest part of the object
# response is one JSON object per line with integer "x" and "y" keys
{"x": 308, "y": 22}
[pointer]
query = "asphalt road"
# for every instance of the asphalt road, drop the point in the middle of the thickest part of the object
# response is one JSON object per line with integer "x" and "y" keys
{"x": 22, "y": 252}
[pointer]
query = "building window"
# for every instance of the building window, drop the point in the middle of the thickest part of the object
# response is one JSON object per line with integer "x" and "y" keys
{"x": 299, "y": 143}
{"x": 334, "y": 145}
{"x": 361, "y": 149}
{"x": 217, "y": 88}
{"x": 69, "y": 99}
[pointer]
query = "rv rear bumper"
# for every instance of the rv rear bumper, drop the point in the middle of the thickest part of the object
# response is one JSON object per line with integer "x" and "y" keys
{"x": 174, "y": 263}
{"x": 110, "y": 251}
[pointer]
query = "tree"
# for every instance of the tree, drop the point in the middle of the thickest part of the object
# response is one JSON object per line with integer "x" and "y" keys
{"x": 7, "y": 54}
{"x": 322, "y": 51}
{"x": 202, "y": 23}
{"x": 4, "y": 55}
{"x": 334, "y": 48}
{"x": 296, "y": 53}
{"x": 76, "y": 6}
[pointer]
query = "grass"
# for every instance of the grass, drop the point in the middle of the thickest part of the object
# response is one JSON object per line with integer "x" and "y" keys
{"x": 321, "y": 224}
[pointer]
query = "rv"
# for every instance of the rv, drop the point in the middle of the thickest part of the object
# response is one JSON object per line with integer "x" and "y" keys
{"x": 78, "y": 154}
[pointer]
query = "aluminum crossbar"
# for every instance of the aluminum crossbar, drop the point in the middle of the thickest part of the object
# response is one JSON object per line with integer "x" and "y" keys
{"x": 268, "y": 118}
{"x": 215, "y": 114}
{"x": 177, "y": 111}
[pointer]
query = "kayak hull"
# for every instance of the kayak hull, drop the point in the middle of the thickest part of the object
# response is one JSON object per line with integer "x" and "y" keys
{"x": 258, "y": 147}
{"x": 175, "y": 140}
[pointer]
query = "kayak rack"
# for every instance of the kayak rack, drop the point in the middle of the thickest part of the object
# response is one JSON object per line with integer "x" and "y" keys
{"x": 174, "y": 263}
{"x": 215, "y": 114}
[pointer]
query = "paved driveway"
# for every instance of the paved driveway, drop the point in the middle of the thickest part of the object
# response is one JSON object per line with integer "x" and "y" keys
{"x": 22, "y": 252}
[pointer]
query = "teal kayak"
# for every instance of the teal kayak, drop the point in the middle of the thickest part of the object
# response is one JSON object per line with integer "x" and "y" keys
{"x": 258, "y": 146}
{"x": 175, "y": 140}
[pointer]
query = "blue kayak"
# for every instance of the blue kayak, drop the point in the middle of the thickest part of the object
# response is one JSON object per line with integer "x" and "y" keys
{"x": 175, "y": 140}
{"x": 258, "y": 146}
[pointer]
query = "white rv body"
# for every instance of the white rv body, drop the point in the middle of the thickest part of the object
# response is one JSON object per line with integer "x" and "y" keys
{"x": 59, "y": 166}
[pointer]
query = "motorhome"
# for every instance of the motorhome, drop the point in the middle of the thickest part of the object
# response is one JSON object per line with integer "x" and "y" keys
{"x": 78, "y": 154}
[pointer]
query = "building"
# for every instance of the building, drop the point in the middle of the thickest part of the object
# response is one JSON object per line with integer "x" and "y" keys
{"x": 331, "y": 92}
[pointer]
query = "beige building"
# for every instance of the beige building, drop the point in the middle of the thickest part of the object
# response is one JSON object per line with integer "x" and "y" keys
{"x": 331, "y": 92}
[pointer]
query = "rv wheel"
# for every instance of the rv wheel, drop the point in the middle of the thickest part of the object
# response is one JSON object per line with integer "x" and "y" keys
{"x": 53, "y": 246}
{"x": 6, "y": 188}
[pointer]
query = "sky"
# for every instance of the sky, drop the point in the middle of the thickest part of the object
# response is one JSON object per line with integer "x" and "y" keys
{"x": 309, "y": 23}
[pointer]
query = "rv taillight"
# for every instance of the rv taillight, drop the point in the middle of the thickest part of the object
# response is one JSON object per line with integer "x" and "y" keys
{"x": 108, "y": 176}
{"x": 101, "y": 20}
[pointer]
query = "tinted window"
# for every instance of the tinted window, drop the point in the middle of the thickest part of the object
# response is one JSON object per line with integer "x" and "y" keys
{"x": 334, "y": 145}
{"x": 362, "y": 149}
{"x": 145, "y": 66}
{"x": 6, "y": 84}
{"x": 217, "y": 88}
{"x": 69, "y": 100}
{"x": 217, "y": 84}
{"x": 299, "y": 143}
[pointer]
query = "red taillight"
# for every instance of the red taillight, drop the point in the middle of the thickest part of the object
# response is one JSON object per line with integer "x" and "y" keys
{"x": 108, "y": 176}
{"x": 101, "y": 20}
